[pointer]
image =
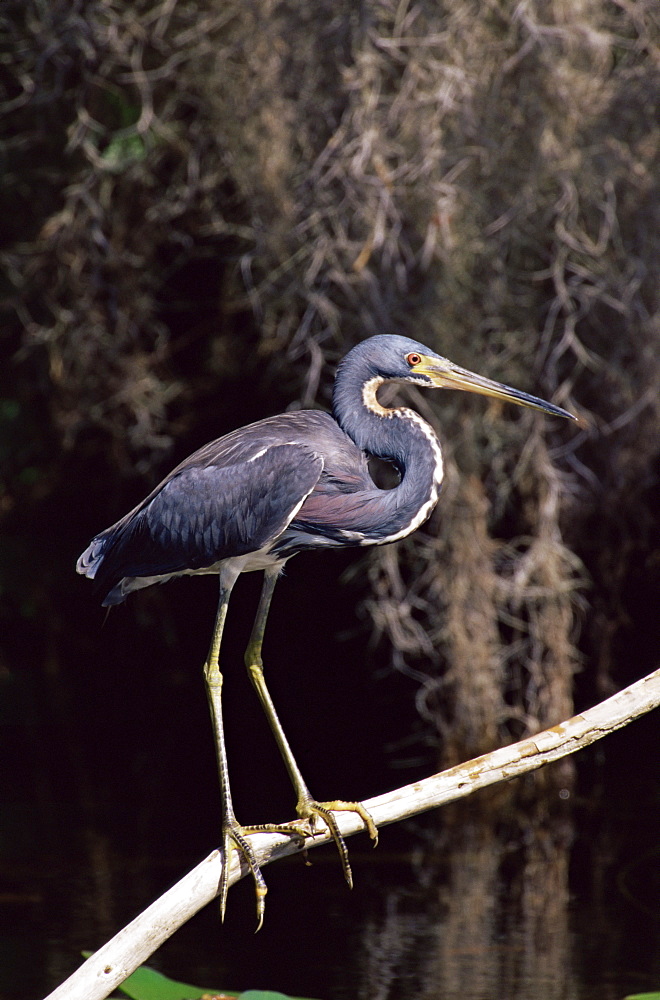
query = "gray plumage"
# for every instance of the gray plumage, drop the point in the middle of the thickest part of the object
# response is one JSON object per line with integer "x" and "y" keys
{"x": 259, "y": 495}
{"x": 276, "y": 487}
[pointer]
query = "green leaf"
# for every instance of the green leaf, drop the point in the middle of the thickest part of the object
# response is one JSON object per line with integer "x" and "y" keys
{"x": 643, "y": 996}
{"x": 147, "y": 984}
{"x": 264, "y": 995}
{"x": 122, "y": 151}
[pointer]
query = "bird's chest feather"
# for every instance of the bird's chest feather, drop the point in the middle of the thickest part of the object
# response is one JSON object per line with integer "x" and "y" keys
{"x": 347, "y": 508}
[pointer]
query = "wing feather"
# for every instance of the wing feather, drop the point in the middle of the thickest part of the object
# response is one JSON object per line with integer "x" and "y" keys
{"x": 202, "y": 514}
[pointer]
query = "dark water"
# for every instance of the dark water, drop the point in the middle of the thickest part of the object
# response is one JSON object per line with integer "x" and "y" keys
{"x": 109, "y": 795}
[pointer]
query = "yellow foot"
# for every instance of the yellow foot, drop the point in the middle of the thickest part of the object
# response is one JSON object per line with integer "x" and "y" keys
{"x": 311, "y": 810}
{"x": 234, "y": 837}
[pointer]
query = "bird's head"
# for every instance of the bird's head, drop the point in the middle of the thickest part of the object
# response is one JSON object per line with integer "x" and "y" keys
{"x": 393, "y": 358}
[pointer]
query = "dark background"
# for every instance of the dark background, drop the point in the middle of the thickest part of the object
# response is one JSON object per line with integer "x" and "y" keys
{"x": 203, "y": 207}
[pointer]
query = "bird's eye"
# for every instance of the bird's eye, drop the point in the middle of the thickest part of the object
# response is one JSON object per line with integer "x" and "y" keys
{"x": 413, "y": 360}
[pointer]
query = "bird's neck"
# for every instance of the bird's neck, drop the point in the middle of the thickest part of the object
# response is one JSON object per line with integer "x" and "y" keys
{"x": 398, "y": 435}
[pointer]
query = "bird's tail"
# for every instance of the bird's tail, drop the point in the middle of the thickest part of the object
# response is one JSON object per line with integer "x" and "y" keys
{"x": 91, "y": 559}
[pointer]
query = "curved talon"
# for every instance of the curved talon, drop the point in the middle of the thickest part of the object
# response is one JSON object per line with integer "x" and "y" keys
{"x": 234, "y": 838}
{"x": 311, "y": 809}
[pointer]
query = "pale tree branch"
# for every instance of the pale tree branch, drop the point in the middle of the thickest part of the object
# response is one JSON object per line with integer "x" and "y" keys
{"x": 116, "y": 960}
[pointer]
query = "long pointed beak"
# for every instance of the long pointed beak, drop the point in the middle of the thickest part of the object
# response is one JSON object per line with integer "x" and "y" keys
{"x": 445, "y": 374}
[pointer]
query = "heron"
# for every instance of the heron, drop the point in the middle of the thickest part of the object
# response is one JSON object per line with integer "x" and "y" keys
{"x": 289, "y": 483}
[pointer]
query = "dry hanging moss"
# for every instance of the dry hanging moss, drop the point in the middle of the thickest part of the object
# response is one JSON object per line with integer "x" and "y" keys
{"x": 481, "y": 176}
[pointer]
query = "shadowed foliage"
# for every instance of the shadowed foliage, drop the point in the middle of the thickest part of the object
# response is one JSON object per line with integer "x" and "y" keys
{"x": 199, "y": 191}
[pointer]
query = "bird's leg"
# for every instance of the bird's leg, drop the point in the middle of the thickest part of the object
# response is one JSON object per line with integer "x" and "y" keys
{"x": 307, "y": 807}
{"x": 234, "y": 836}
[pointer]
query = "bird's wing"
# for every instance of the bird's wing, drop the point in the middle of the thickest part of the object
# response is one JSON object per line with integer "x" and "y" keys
{"x": 204, "y": 514}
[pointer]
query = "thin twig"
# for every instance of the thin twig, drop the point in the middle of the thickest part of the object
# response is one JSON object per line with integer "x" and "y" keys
{"x": 117, "y": 959}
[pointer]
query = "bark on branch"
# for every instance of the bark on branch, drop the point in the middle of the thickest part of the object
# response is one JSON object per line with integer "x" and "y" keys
{"x": 128, "y": 949}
